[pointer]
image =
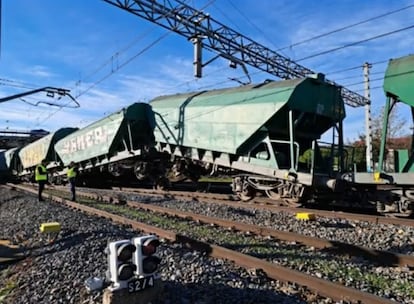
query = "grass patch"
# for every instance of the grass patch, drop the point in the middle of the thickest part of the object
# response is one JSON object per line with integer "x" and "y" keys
{"x": 209, "y": 179}
{"x": 5, "y": 290}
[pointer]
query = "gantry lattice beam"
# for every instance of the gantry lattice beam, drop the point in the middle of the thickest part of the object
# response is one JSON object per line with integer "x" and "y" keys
{"x": 191, "y": 23}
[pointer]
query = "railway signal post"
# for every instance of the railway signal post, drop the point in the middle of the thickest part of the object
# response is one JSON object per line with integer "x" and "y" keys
{"x": 133, "y": 271}
{"x": 121, "y": 266}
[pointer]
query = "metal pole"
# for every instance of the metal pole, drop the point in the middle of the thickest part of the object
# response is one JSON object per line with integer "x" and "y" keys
{"x": 197, "y": 42}
{"x": 291, "y": 141}
{"x": 368, "y": 126}
{"x": 384, "y": 133}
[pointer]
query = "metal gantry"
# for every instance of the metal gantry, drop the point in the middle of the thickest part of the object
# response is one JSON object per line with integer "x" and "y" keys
{"x": 196, "y": 25}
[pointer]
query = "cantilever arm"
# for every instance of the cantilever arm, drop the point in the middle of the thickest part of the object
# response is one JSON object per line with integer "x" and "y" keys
{"x": 52, "y": 90}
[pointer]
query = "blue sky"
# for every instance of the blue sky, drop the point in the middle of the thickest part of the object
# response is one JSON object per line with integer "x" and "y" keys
{"x": 109, "y": 58}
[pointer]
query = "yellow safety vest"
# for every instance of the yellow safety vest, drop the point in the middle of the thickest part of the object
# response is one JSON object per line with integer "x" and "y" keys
{"x": 39, "y": 176}
{"x": 71, "y": 172}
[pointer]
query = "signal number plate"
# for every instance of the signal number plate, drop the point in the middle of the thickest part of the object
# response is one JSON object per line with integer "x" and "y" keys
{"x": 140, "y": 284}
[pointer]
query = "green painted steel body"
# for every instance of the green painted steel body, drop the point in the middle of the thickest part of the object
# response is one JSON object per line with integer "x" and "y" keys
{"x": 105, "y": 137}
{"x": 32, "y": 154}
{"x": 399, "y": 79}
{"x": 398, "y": 87}
{"x": 233, "y": 120}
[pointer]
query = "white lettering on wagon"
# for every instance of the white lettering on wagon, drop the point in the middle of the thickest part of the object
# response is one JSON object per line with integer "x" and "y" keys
{"x": 87, "y": 140}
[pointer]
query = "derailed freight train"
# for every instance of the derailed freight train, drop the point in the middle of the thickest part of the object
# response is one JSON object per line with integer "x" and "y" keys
{"x": 270, "y": 135}
{"x": 265, "y": 136}
{"x": 112, "y": 148}
{"x": 116, "y": 147}
{"x": 25, "y": 160}
{"x": 267, "y": 133}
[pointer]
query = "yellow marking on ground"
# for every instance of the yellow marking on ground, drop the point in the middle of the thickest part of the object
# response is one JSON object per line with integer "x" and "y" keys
{"x": 305, "y": 216}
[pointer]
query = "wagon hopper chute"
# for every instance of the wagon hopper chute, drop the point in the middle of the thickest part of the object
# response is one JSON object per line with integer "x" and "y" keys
{"x": 4, "y": 171}
{"x": 12, "y": 163}
{"x": 11, "y": 158}
{"x": 115, "y": 144}
{"x": 266, "y": 132}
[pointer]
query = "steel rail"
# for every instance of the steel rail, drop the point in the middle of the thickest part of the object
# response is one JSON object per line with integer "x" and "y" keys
{"x": 383, "y": 257}
{"x": 265, "y": 204}
{"x": 324, "y": 288}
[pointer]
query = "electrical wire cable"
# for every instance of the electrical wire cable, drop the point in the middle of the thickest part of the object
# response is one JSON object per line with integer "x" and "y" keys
{"x": 356, "y": 43}
{"x": 357, "y": 76}
{"x": 117, "y": 68}
{"x": 107, "y": 75}
{"x": 361, "y": 82}
{"x": 116, "y": 55}
{"x": 123, "y": 64}
{"x": 345, "y": 27}
{"x": 18, "y": 84}
{"x": 251, "y": 23}
{"x": 356, "y": 67}
{"x": 373, "y": 88}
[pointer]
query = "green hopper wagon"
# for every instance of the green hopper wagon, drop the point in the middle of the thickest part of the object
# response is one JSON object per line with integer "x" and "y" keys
{"x": 112, "y": 144}
{"x": 44, "y": 148}
{"x": 267, "y": 133}
{"x": 390, "y": 187}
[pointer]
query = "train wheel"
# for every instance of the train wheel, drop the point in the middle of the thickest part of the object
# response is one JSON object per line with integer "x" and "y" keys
{"x": 292, "y": 202}
{"x": 247, "y": 193}
{"x": 141, "y": 170}
{"x": 162, "y": 183}
{"x": 273, "y": 194}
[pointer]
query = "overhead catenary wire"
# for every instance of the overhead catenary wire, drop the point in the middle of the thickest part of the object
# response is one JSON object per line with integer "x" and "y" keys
{"x": 373, "y": 88}
{"x": 345, "y": 27}
{"x": 356, "y": 43}
{"x": 357, "y": 76}
{"x": 107, "y": 75}
{"x": 361, "y": 82}
{"x": 120, "y": 66}
{"x": 117, "y": 68}
{"x": 356, "y": 67}
{"x": 18, "y": 84}
{"x": 250, "y": 22}
{"x": 116, "y": 54}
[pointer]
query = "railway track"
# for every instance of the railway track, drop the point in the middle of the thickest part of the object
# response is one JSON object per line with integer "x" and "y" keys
{"x": 262, "y": 203}
{"x": 270, "y": 268}
{"x": 378, "y": 256}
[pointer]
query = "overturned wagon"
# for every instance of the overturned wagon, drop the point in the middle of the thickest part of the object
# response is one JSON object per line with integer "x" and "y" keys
{"x": 112, "y": 147}
{"x": 267, "y": 133}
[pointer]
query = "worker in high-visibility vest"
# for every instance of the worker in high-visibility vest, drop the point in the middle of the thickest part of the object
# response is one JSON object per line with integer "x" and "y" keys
{"x": 71, "y": 174}
{"x": 41, "y": 178}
